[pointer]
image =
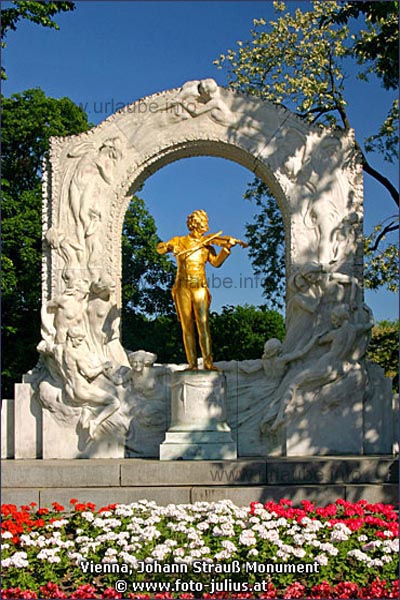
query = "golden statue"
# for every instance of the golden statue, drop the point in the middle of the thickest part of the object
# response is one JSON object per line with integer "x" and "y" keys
{"x": 190, "y": 291}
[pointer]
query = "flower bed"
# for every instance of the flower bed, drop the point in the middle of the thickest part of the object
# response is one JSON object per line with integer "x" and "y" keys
{"x": 203, "y": 550}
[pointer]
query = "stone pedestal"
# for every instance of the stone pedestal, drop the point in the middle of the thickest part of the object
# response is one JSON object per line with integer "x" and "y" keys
{"x": 198, "y": 430}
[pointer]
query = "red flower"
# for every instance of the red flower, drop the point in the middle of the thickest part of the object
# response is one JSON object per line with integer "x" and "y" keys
{"x": 323, "y": 590}
{"x": 51, "y": 590}
{"x": 108, "y": 507}
{"x": 111, "y": 593}
{"x": 42, "y": 511}
{"x": 84, "y": 592}
{"x": 346, "y": 589}
{"x": 296, "y": 590}
{"x": 377, "y": 589}
{"x": 308, "y": 506}
{"x": 73, "y": 501}
{"x": 57, "y": 507}
{"x": 286, "y": 501}
{"x": 270, "y": 593}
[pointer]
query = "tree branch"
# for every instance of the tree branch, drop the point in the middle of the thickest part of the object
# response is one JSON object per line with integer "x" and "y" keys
{"x": 378, "y": 176}
{"x": 391, "y": 227}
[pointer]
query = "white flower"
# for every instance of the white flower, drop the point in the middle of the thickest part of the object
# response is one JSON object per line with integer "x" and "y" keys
{"x": 89, "y": 516}
{"x": 321, "y": 559}
{"x": 6, "y": 562}
{"x": 386, "y": 559}
{"x": 6, "y": 535}
{"x": 388, "y": 533}
{"x": 362, "y": 538}
{"x": 49, "y": 554}
{"x": 298, "y": 539}
{"x": 339, "y": 536}
{"x": 247, "y": 538}
{"x": 75, "y": 556}
{"x": 228, "y": 545}
{"x": 358, "y": 555}
{"x": 223, "y": 555}
{"x": 25, "y": 539}
{"x": 272, "y": 536}
{"x": 389, "y": 546}
{"x": 376, "y": 562}
{"x": 329, "y": 548}
{"x": 252, "y": 552}
{"x": 19, "y": 560}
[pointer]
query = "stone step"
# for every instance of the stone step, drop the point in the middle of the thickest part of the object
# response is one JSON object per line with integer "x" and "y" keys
{"x": 104, "y": 481}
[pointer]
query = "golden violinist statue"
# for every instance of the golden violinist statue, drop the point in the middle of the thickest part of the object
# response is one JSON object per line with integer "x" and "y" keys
{"x": 190, "y": 291}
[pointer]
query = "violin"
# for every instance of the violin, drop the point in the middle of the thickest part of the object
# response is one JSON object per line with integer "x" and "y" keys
{"x": 226, "y": 241}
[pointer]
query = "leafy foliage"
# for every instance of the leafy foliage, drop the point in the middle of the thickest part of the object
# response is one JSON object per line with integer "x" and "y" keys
{"x": 240, "y": 332}
{"x": 147, "y": 276}
{"x": 382, "y": 268}
{"x": 377, "y": 44}
{"x": 384, "y": 349}
{"x": 298, "y": 60}
{"x": 386, "y": 141}
{"x": 40, "y": 13}
{"x": 266, "y": 243}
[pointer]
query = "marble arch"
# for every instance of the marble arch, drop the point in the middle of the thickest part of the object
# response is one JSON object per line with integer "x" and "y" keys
{"x": 314, "y": 394}
{"x": 313, "y": 172}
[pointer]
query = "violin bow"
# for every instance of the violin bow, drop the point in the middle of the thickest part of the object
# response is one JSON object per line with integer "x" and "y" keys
{"x": 203, "y": 243}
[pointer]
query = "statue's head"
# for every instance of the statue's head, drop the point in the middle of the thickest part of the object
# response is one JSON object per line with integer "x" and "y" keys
{"x": 207, "y": 87}
{"x": 198, "y": 221}
{"x": 103, "y": 285}
{"x": 76, "y": 335}
{"x": 339, "y": 314}
{"x": 272, "y": 347}
{"x": 311, "y": 271}
{"x": 140, "y": 359}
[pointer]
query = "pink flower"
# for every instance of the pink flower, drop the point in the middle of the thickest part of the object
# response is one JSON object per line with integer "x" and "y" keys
{"x": 296, "y": 590}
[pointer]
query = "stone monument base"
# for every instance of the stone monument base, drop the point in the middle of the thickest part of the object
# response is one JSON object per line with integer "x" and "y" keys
{"x": 198, "y": 428}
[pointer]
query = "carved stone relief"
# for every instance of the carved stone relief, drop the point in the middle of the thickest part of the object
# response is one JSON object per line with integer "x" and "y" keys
{"x": 87, "y": 380}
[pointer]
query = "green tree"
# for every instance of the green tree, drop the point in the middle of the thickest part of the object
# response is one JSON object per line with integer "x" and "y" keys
{"x": 384, "y": 349}
{"x": 299, "y": 61}
{"x": 36, "y": 12}
{"x": 240, "y": 332}
{"x": 147, "y": 277}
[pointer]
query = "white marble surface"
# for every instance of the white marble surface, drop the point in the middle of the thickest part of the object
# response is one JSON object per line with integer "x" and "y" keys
{"x": 87, "y": 382}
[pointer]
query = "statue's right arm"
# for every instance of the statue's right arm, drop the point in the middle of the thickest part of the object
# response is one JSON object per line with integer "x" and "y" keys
{"x": 164, "y": 247}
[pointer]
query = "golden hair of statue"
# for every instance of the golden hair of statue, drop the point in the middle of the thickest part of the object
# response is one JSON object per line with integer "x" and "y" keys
{"x": 190, "y": 291}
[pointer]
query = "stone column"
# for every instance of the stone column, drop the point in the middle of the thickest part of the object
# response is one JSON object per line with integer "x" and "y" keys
{"x": 198, "y": 430}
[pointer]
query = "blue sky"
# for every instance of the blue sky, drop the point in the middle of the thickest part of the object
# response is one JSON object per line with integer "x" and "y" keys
{"x": 116, "y": 52}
